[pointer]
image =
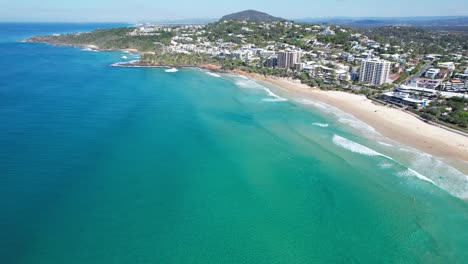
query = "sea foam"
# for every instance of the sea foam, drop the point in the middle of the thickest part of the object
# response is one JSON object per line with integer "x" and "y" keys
{"x": 385, "y": 144}
{"x": 171, "y": 70}
{"x": 356, "y": 147}
{"x": 341, "y": 116}
{"x": 274, "y": 97}
{"x": 251, "y": 84}
{"x": 213, "y": 74}
{"x": 320, "y": 124}
{"x": 410, "y": 172}
{"x": 360, "y": 149}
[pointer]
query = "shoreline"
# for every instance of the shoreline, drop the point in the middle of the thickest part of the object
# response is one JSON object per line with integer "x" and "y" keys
{"x": 390, "y": 122}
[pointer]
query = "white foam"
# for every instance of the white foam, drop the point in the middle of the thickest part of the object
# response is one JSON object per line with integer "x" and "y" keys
{"x": 248, "y": 84}
{"x": 423, "y": 166}
{"x": 385, "y": 165}
{"x": 251, "y": 84}
{"x": 355, "y": 123}
{"x": 127, "y": 64}
{"x": 171, "y": 70}
{"x": 356, "y": 147}
{"x": 385, "y": 144}
{"x": 412, "y": 173}
{"x": 89, "y": 49}
{"x": 444, "y": 175}
{"x": 275, "y": 97}
{"x": 342, "y": 117}
{"x": 124, "y": 57}
{"x": 320, "y": 124}
{"x": 360, "y": 149}
{"x": 213, "y": 74}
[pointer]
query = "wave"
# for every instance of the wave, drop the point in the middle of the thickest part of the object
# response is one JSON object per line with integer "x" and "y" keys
{"x": 251, "y": 84}
{"x": 446, "y": 177}
{"x": 356, "y": 147}
{"x": 276, "y": 98}
{"x": 412, "y": 173}
{"x": 171, "y": 70}
{"x": 385, "y": 165}
{"x": 89, "y": 49}
{"x": 384, "y": 144}
{"x": 421, "y": 165}
{"x": 355, "y": 123}
{"x": 127, "y": 64}
{"x": 320, "y": 124}
{"x": 213, "y": 74}
{"x": 248, "y": 84}
{"x": 341, "y": 116}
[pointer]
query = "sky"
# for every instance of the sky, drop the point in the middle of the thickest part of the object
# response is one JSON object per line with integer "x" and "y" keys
{"x": 159, "y": 10}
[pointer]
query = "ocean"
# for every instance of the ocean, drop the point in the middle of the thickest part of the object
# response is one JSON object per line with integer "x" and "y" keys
{"x": 102, "y": 164}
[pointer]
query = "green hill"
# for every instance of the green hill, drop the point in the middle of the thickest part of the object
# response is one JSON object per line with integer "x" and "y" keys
{"x": 251, "y": 15}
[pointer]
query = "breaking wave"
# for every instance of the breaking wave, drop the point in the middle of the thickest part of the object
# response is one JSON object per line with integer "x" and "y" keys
{"x": 171, "y": 70}
{"x": 341, "y": 116}
{"x": 251, "y": 84}
{"x": 426, "y": 167}
{"x": 356, "y": 147}
{"x": 320, "y": 124}
{"x": 412, "y": 173}
{"x": 275, "y": 97}
{"x": 385, "y": 144}
{"x": 89, "y": 49}
{"x": 213, "y": 74}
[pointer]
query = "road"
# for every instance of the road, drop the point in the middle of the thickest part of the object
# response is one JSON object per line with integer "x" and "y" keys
{"x": 423, "y": 69}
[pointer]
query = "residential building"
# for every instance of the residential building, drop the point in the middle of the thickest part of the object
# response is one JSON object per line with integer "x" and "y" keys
{"x": 447, "y": 65}
{"x": 432, "y": 73}
{"x": 374, "y": 71}
{"x": 288, "y": 59}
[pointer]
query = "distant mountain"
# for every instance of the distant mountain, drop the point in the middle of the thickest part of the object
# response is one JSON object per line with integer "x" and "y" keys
{"x": 433, "y": 23}
{"x": 251, "y": 15}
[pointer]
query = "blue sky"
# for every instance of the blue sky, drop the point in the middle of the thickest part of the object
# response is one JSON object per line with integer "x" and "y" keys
{"x": 144, "y": 10}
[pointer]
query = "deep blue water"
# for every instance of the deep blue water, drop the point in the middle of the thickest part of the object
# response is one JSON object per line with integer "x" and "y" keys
{"x": 102, "y": 164}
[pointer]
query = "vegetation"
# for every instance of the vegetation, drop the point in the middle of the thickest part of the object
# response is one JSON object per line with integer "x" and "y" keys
{"x": 179, "y": 59}
{"x": 116, "y": 38}
{"x": 452, "y": 111}
{"x": 421, "y": 41}
{"x": 251, "y": 15}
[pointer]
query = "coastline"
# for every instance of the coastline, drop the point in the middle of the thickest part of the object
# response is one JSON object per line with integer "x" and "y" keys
{"x": 392, "y": 123}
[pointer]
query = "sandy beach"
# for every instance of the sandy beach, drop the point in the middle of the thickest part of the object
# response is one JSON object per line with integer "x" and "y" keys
{"x": 388, "y": 121}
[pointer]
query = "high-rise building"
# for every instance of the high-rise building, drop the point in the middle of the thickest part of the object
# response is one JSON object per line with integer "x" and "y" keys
{"x": 288, "y": 59}
{"x": 374, "y": 71}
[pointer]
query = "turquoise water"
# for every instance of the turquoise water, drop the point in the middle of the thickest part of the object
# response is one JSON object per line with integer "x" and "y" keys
{"x": 104, "y": 164}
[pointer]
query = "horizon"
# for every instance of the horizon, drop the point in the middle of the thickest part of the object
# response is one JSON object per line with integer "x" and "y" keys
{"x": 218, "y": 18}
{"x": 145, "y": 10}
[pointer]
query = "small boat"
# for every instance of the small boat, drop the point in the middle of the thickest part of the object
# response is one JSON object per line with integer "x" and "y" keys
{"x": 124, "y": 57}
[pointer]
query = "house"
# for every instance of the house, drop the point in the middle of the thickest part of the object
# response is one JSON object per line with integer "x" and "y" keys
{"x": 432, "y": 73}
{"x": 447, "y": 65}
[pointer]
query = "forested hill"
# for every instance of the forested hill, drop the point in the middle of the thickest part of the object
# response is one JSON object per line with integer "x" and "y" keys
{"x": 251, "y": 15}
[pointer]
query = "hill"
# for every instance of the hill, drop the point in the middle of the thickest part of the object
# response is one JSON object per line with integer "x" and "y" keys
{"x": 251, "y": 15}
